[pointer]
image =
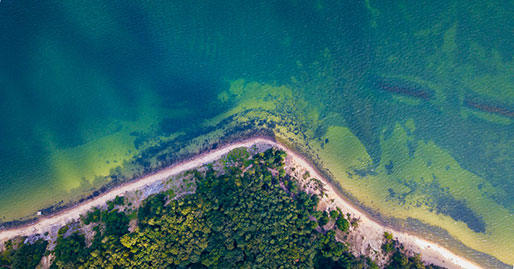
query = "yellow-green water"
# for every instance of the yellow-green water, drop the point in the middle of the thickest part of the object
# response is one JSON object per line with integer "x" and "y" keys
{"x": 422, "y": 181}
{"x": 408, "y": 106}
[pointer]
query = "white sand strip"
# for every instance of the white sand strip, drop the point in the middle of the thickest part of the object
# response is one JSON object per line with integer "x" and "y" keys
{"x": 372, "y": 230}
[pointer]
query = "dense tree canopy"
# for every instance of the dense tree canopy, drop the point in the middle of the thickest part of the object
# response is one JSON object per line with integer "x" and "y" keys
{"x": 25, "y": 256}
{"x": 249, "y": 215}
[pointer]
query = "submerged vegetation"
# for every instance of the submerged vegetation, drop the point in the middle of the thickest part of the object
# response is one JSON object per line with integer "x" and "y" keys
{"x": 372, "y": 91}
{"x": 248, "y": 214}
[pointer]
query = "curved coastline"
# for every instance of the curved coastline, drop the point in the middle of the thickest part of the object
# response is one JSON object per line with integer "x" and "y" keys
{"x": 409, "y": 226}
{"x": 371, "y": 228}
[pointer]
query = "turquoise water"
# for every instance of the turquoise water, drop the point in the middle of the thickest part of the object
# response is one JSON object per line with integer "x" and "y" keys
{"x": 422, "y": 94}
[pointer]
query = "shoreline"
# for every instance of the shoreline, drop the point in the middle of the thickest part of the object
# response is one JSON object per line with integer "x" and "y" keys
{"x": 369, "y": 229}
{"x": 372, "y": 231}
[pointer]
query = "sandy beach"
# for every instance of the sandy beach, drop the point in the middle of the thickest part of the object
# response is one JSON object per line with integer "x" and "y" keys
{"x": 368, "y": 234}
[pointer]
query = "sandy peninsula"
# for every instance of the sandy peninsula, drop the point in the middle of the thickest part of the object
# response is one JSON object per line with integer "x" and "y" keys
{"x": 367, "y": 236}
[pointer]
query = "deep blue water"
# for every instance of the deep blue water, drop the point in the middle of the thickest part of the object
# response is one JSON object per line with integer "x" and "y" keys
{"x": 76, "y": 76}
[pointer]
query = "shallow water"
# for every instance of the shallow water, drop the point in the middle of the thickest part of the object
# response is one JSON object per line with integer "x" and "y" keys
{"x": 416, "y": 97}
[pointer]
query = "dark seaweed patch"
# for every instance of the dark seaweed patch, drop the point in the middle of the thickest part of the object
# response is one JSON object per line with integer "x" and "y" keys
{"x": 389, "y": 167}
{"x": 171, "y": 125}
{"x": 458, "y": 210}
{"x": 437, "y": 199}
{"x": 478, "y": 103}
{"x": 403, "y": 87}
{"x": 411, "y": 145}
{"x": 369, "y": 170}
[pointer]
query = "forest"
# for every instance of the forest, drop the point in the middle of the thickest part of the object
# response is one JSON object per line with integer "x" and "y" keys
{"x": 251, "y": 214}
